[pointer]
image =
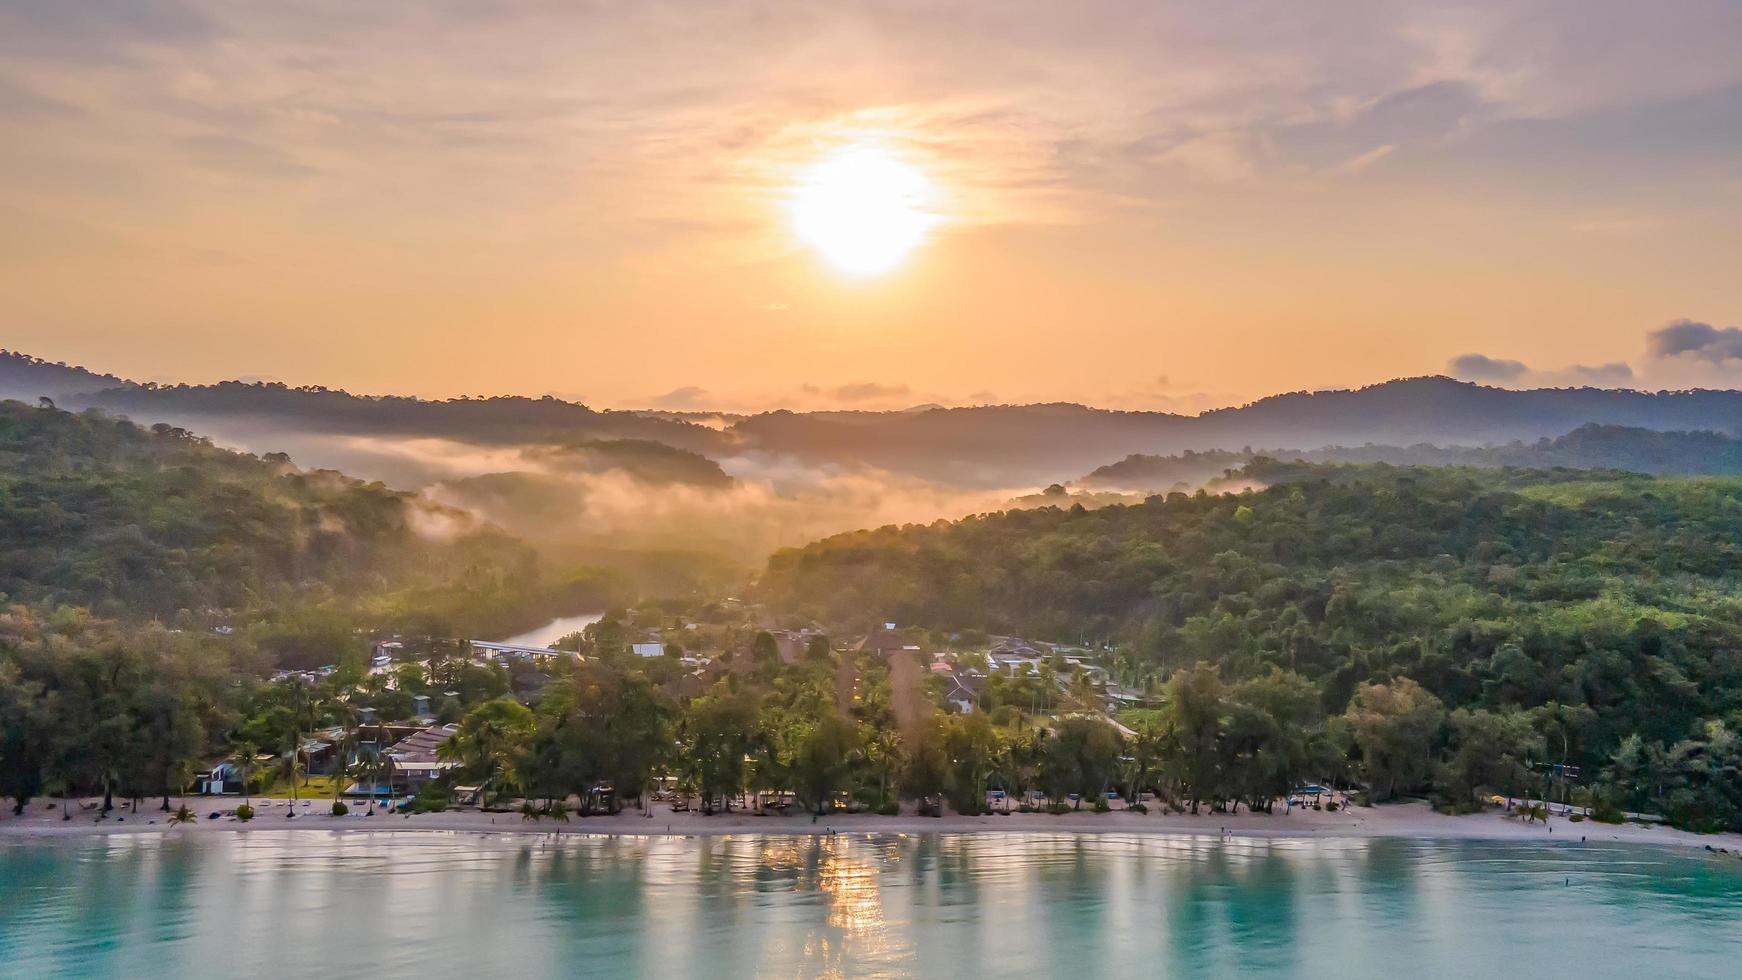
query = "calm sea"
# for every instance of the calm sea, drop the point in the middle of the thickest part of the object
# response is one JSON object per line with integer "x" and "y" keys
{"x": 312, "y": 904}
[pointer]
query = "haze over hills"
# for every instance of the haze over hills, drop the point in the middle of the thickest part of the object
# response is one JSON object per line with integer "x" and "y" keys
{"x": 1589, "y": 447}
{"x": 733, "y": 488}
{"x": 982, "y": 446}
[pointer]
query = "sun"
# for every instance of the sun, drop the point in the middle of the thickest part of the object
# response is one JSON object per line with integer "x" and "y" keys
{"x": 863, "y": 209}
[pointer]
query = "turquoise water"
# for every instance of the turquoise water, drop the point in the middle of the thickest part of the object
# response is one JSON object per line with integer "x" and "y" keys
{"x": 311, "y": 904}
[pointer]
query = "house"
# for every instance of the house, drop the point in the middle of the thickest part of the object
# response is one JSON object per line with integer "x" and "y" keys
{"x": 1126, "y": 697}
{"x": 320, "y": 751}
{"x": 219, "y": 779}
{"x": 793, "y": 644}
{"x": 647, "y": 649}
{"x": 414, "y": 762}
{"x": 222, "y": 778}
{"x": 888, "y": 641}
{"x": 964, "y": 692}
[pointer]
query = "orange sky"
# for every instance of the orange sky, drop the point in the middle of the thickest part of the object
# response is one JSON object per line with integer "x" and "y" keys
{"x": 1140, "y": 205}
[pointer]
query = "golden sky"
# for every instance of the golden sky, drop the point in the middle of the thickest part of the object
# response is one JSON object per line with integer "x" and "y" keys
{"x": 1139, "y": 205}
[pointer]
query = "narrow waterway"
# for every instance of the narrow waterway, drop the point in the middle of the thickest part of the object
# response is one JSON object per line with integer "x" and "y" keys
{"x": 553, "y": 631}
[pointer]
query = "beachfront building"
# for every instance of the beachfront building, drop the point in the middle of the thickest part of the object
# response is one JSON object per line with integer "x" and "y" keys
{"x": 413, "y": 762}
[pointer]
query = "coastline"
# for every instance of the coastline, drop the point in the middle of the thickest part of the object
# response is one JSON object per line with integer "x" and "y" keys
{"x": 1398, "y": 820}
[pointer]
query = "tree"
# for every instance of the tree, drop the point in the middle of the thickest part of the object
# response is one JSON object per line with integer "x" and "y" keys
{"x": 824, "y": 760}
{"x": 1395, "y": 725}
{"x": 1197, "y": 706}
{"x": 1147, "y": 747}
{"x": 289, "y": 767}
{"x": 927, "y": 768}
{"x": 817, "y": 648}
{"x": 765, "y": 651}
{"x": 1490, "y": 750}
{"x": 1081, "y": 757}
{"x": 1282, "y": 732}
{"x": 974, "y": 746}
{"x": 715, "y": 736}
{"x": 26, "y": 727}
{"x": 611, "y": 731}
{"x": 883, "y": 754}
{"x": 488, "y": 742}
{"x": 243, "y": 756}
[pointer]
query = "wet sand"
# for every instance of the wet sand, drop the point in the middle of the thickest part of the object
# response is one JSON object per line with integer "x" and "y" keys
{"x": 1404, "y": 820}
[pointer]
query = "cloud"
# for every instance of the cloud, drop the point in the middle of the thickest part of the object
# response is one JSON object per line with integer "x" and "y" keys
{"x": 1505, "y": 371}
{"x": 1481, "y": 367}
{"x": 1693, "y": 340}
{"x": 686, "y": 398}
{"x": 1613, "y": 373}
{"x": 861, "y": 391}
{"x": 93, "y": 28}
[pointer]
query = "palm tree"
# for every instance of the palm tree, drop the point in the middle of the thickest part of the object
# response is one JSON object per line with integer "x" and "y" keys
{"x": 242, "y": 759}
{"x": 374, "y": 765}
{"x": 290, "y": 766}
{"x": 344, "y": 759}
{"x": 488, "y": 741}
{"x": 883, "y": 751}
{"x": 183, "y": 773}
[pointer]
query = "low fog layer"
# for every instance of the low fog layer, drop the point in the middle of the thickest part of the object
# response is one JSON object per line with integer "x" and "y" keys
{"x": 736, "y": 487}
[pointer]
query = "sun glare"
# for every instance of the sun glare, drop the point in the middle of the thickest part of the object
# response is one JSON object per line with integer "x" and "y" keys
{"x": 863, "y": 209}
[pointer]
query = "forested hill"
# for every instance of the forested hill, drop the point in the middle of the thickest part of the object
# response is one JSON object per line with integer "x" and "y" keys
{"x": 1614, "y": 591}
{"x": 99, "y": 512}
{"x": 1044, "y": 443}
{"x": 1591, "y": 446}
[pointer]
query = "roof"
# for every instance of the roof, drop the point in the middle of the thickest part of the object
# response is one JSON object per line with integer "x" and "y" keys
{"x": 431, "y": 765}
{"x": 421, "y": 746}
{"x": 886, "y": 641}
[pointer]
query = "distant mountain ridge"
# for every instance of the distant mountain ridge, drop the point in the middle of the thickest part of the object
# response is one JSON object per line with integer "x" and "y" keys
{"x": 983, "y": 446}
{"x": 1034, "y": 443}
{"x": 1589, "y": 447}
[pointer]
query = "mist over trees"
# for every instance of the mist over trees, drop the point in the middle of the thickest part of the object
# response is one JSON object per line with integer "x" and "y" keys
{"x": 1446, "y": 629}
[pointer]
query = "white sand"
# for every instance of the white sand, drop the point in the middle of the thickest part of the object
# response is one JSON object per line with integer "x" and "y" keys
{"x": 1396, "y": 820}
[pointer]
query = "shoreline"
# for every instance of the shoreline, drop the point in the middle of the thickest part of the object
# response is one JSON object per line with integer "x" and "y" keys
{"x": 1398, "y": 820}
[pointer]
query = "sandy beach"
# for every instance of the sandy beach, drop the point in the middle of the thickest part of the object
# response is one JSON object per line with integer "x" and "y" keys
{"x": 1404, "y": 820}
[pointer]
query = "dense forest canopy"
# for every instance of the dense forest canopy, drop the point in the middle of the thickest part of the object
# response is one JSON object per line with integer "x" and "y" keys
{"x": 1440, "y": 630}
{"x": 135, "y": 523}
{"x": 1612, "y": 591}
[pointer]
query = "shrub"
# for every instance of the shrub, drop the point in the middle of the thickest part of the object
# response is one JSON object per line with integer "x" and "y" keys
{"x": 431, "y": 799}
{"x": 182, "y": 815}
{"x": 1101, "y": 804}
{"x": 1331, "y": 807}
{"x": 340, "y": 809}
{"x": 1138, "y": 808}
{"x": 889, "y": 809}
{"x": 1577, "y": 818}
{"x": 1058, "y": 808}
{"x": 244, "y": 812}
{"x": 529, "y": 812}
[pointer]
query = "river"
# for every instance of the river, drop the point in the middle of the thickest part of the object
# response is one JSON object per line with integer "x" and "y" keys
{"x": 358, "y": 904}
{"x": 553, "y": 631}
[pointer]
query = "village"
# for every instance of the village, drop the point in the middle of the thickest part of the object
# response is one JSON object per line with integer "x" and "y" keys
{"x": 399, "y": 750}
